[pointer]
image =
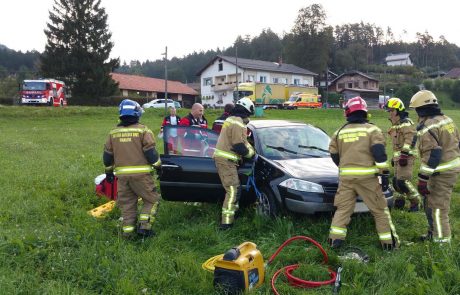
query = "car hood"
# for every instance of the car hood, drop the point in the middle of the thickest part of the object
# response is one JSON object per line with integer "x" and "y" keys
{"x": 312, "y": 169}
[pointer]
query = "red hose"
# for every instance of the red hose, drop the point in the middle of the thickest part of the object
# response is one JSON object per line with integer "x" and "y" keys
{"x": 294, "y": 281}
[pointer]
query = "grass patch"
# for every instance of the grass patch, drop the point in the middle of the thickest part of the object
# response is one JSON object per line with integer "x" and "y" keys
{"x": 49, "y": 244}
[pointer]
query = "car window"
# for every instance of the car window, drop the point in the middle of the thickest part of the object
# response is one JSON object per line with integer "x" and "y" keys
{"x": 160, "y": 101}
{"x": 189, "y": 141}
{"x": 292, "y": 142}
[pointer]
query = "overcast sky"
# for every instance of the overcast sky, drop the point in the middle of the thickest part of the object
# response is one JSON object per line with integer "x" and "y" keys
{"x": 142, "y": 28}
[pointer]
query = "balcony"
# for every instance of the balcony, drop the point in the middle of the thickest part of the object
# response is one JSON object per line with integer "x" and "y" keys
{"x": 224, "y": 86}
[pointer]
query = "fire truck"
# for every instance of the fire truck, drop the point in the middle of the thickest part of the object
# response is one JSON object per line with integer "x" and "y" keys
{"x": 43, "y": 92}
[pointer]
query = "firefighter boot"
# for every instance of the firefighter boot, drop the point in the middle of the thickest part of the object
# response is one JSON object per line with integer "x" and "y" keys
{"x": 224, "y": 227}
{"x": 335, "y": 244}
{"x": 427, "y": 237}
{"x": 145, "y": 230}
{"x": 399, "y": 203}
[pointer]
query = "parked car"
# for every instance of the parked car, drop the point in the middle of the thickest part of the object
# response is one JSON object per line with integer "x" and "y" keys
{"x": 158, "y": 104}
{"x": 293, "y": 170}
{"x": 177, "y": 105}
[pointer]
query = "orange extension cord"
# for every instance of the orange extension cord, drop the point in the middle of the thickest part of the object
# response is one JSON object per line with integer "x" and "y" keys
{"x": 287, "y": 270}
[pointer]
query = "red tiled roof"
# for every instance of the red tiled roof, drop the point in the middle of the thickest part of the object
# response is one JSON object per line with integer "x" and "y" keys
{"x": 453, "y": 73}
{"x": 140, "y": 83}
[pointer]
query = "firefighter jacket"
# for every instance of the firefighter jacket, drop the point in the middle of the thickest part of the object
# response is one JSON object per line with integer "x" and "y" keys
{"x": 402, "y": 134}
{"x": 438, "y": 145}
{"x": 232, "y": 143}
{"x": 129, "y": 146}
{"x": 361, "y": 150}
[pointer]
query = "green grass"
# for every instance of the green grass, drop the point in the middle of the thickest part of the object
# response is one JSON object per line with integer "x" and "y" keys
{"x": 50, "y": 245}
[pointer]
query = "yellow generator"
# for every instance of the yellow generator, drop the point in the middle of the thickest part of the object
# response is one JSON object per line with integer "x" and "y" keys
{"x": 240, "y": 268}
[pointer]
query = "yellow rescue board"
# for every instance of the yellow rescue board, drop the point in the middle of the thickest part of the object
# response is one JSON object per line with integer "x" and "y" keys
{"x": 100, "y": 211}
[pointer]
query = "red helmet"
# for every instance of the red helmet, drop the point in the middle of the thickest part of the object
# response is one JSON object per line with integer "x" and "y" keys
{"x": 355, "y": 104}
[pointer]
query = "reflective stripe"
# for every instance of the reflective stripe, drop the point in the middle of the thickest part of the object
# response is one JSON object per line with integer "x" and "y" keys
{"x": 359, "y": 129}
{"x": 406, "y": 146}
{"x": 128, "y": 228}
{"x": 382, "y": 165}
{"x": 441, "y": 167}
{"x": 157, "y": 163}
{"x": 340, "y": 231}
{"x": 143, "y": 217}
{"x": 229, "y": 211}
{"x": 411, "y": 152}
{"x": 231, "y": 121}
{"x": 439, "y": 124}
{"x": 358, "y": 171}
{"x": 122, "y": 130}
{"x": 250, "y": 151}
{"x": 437, "y": 217}
{"x": 385, "y": 236}
{"x": 442, "y": 240}
{"x": 392, "y": 226}
{"x": 226, "y": 155}
{"x": 133, "y": 169}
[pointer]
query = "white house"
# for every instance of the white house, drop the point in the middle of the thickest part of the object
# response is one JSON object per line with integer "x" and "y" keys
{"x": 219, "y": 77}
{"x": 400, "y": 59}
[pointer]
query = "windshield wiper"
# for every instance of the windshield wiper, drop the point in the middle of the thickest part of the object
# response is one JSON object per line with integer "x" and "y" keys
{"x": 281, "y": 149}
{"x": 313, "y": 147}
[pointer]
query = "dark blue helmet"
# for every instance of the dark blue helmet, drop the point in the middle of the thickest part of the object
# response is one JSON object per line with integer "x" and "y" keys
{"x": 129, "y": 107}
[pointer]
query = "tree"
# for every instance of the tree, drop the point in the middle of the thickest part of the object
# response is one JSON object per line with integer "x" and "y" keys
{"x": 78, "y": 48}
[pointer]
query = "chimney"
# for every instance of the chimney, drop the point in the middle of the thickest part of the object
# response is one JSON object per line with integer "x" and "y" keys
{"x": 280, "y": 61}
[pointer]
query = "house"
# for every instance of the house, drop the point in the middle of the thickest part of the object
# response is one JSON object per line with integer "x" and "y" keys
{"x": 220, "y": 76}
{"x": 399, "y": 59}
{"x": 453, "y": 74}
{"x": 355, "y": 83}
{"x": 329, "y": 77}
{"x": 151, "y": 88}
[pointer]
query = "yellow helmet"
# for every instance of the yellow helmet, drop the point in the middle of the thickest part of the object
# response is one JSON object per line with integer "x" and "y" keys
{"x": 422, "y": 98}
{"x": 395, "y": 103}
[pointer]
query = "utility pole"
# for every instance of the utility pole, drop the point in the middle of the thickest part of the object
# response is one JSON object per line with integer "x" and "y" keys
{"x": 236, "y": 75}
{"x": 327, "y": 87}
{"x": 166, "y": 80}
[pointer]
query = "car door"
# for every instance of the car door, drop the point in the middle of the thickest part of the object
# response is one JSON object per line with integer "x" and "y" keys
{"x": 188, "y": 172}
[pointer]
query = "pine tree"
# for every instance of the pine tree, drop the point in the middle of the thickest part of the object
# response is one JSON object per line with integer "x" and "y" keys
{"x": 78, "y": 49}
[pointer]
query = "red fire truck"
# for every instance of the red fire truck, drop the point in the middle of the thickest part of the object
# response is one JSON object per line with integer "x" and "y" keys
{"x": 43, "y": 91}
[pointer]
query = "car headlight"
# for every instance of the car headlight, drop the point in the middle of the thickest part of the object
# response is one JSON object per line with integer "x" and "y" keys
{"x": 302, "y": 185}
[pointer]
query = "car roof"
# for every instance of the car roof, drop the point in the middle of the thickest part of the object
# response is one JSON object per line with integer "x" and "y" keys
{"x": 273, "y": 123}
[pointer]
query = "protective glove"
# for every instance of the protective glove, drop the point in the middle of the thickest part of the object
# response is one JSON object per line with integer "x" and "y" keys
{"x": 403, "y": 159}
{"x": 385, "y": 177}
{"x": 109, "y": 177}
{"x": 422, "y": 185}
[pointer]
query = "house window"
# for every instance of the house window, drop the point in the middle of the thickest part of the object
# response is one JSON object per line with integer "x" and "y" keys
{"x": 250, "y": 78}
{"x": 341, "y": 85}
{"x": 296, "y": 81}
{"x": 350, "y": 84}
{"x": 356, "y": 84}
{"x": 365, "y": 84}
{"x": 221, "y": 65}
{"x": 263, "y": 79}
{"x": 207, "y": 81}
{"x": 275, "y": 80}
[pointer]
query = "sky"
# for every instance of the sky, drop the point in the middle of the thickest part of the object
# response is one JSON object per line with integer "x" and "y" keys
{"x": 142, "y": 28}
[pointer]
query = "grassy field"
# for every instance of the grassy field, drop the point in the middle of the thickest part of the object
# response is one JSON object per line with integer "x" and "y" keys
{"x": 50, "y": 245}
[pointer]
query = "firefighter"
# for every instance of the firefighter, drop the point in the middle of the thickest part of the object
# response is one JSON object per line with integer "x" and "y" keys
{"x": 402, "y": 133}
{"x": 231, "y": 146}
{"x": 130, "y": 154}
{"x": 438, "y": 146}
{"x": 358, "y": 149}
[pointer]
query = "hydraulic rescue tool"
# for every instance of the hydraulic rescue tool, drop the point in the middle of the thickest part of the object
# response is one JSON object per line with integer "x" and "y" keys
{"x": 242, "y": 268}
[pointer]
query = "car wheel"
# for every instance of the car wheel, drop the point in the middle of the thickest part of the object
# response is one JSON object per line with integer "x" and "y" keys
{"x": 266, "y": 204}
{"x": 50, "y": 102}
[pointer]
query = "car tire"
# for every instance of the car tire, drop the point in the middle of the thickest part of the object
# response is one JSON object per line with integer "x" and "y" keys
{"x": 267, "y": 206}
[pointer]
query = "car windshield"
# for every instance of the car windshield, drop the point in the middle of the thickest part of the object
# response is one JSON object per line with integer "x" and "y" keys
{"x": 34, "y": 86}
{"x": 293, "y": 98}
{"x": 292, "y": 142}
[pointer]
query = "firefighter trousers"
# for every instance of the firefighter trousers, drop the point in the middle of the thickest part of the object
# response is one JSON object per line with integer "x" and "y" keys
{"x": 130, "y": 188}
{"x": 402, "y": 182}
{"x": 371, "y": 192}
{"x": 228, "y": 173}
{"x": 438, "y": 205}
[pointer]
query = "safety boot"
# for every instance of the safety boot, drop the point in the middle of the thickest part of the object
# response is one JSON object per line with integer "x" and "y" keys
{"x": 224, "y": 227}
{"x": 145, "y": 230}
{"x": 427, "y": 237}
{"x": 399, "y": 203}
{"x": 128, "y": 236}
{"x": 336, "y": 243}
{"x": 388, "y": 247}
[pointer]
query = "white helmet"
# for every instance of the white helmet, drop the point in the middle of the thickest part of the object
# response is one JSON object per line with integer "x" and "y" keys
{"x": 246, "y": 103}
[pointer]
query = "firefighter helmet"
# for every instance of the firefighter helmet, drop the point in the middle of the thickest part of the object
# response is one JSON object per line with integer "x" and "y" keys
{"x": 422, "y": 98}
{"x": 395, "y": 103}
{"x": 247, "y": 104}
{"x": 129, "y": 107}
{"x": 355, "y": 104}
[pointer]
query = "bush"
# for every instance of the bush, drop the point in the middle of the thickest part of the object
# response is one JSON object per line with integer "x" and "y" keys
{"x": 428, "y": 84}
